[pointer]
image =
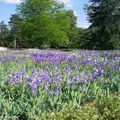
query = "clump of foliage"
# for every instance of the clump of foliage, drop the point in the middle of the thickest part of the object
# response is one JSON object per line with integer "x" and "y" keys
{"x": 104, "y": 16}
{"x": 109, "y": 107}
{"x": 69, "y": 112}
{"x": 105, "y": 108}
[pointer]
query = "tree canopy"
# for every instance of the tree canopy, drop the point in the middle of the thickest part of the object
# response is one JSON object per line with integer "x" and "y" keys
{"x": 39, "y": 23}
{"x": 104, "y": 16}
{"x": 4, "y": 32}
{"x": 44, "y": 22}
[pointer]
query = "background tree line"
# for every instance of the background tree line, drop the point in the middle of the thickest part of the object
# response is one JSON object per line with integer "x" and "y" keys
{"x": 47, "y": 23}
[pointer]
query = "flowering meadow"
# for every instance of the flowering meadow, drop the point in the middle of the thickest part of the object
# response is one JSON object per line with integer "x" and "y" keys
{"x": 34, "y": 83}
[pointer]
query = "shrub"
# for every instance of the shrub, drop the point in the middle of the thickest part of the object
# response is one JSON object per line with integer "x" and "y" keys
{"x": 86, "y": 112}
{"x": 109, "y": 107}
{"x": 106, "y": 108}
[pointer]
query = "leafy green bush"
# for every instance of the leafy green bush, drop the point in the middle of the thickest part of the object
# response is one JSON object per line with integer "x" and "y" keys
{"x": 106, "y": 108}
{"x": 109, "y": 107}
{"x": 85, "y": 112}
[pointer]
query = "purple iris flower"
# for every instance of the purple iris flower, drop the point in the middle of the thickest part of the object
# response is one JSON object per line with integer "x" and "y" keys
{"x": 56, "y": 90}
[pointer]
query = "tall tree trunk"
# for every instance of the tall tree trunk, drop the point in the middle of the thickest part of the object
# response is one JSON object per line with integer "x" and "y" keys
{"x": 14, "y": 43}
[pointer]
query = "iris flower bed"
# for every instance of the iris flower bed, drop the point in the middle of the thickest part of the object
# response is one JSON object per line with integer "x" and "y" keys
{"x": 34, "y": 83}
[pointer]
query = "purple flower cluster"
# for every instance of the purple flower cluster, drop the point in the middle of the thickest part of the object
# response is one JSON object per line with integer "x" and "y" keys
{"x": 9, "y": 59}
{"x": 50, "y": 57}
{"x": 44, "y": 80}
{"x": 72, "y": 58}
{"x": 15, "y": 77}
{"x": 97, "y": 72}
{"x": 36, "y": 79}
{"x": 83, "y": 77}
{"x": 72, "y": 70}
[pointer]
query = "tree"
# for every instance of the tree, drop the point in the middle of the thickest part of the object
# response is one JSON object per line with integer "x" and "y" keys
{"x": 15, "y": 30}
{"x": 73, "y": 32}
{"x": 4, "y": 33}
{"x": 83, "y": 38}
{"x": 104, "y": 16}
{"x": 44, "y": 22}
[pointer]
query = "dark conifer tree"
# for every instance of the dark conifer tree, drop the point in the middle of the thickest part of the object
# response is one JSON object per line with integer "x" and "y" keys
{"x": 104, "y": 16}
